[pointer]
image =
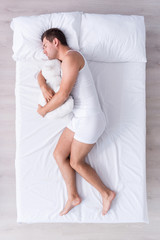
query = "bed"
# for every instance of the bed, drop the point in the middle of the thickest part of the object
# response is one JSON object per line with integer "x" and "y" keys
{"x": 116, "y": 54}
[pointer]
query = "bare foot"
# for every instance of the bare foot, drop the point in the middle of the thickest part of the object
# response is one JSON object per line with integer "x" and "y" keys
{"x": 70, "y": 204}
{"x": 107, "y": 200}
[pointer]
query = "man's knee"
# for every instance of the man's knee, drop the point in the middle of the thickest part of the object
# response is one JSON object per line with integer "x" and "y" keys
{"x": 59, "y": 157}
{"x": 76, "y": 164}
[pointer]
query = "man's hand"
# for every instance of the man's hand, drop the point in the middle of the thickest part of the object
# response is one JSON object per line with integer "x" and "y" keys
{"x": 47, "y": 92}
{"x": 41, "y": 110}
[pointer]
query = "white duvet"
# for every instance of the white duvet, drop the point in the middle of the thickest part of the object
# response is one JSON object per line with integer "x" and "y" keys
{"x": 119, "y": 155}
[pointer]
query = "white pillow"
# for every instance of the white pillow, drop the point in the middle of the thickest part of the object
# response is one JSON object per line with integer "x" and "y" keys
{"x": 52, "y": 73}
{"x": 28, "y": 30}
{"x": 113, "y": 38}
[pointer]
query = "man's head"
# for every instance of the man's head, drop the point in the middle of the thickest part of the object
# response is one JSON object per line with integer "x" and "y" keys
{"x": 52, "y": 40}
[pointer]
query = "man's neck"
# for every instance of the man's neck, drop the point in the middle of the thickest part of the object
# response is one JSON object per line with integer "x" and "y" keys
{"x": 62, "y": 52}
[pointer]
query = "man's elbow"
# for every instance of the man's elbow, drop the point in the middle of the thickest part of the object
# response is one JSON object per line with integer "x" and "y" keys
{"x": 63, "y": 96}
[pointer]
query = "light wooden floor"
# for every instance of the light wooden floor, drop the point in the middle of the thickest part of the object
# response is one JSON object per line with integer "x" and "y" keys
{"x": 9, "y": 229}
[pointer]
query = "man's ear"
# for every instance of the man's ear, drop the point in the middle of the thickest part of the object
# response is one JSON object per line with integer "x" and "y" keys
{"x": 56, "y": 42}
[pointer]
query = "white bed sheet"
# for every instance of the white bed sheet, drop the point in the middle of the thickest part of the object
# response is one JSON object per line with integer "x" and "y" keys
{"x": 119, "y": 156}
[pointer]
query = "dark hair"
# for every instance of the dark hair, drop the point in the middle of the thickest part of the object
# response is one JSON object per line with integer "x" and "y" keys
{"x": 52, "y": 33}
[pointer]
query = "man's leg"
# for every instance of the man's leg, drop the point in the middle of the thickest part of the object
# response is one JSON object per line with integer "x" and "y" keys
{"x": 78, "y": 152}
{"x": 61, "y": 155}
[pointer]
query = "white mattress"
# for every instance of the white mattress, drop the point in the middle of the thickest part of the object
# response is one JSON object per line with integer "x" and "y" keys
{"x": 119, "y": 156}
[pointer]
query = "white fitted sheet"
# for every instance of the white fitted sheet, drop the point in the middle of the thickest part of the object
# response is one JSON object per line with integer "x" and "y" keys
{"x": 119, "y": 156}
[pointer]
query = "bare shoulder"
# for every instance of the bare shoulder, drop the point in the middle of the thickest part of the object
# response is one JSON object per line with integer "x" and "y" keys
{"x": 73, "y": 59}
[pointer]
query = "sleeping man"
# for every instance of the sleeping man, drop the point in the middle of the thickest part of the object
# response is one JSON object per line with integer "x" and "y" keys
{"x": 87, "y": 124}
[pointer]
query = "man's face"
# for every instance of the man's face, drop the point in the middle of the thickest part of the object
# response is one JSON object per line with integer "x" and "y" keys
{"x": 49, "y": 49}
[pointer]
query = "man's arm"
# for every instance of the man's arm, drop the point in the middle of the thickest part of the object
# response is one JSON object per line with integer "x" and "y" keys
{"x": 46, "y": 90}
{"x": 70, "y": 68}
{"x": 41, "y": 80}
